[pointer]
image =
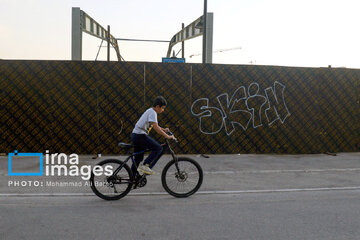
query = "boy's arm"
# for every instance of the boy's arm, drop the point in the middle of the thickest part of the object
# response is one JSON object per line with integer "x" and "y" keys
{"x": 161, "y": 131}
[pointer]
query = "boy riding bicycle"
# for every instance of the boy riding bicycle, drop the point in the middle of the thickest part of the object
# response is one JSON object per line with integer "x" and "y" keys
{"x": 141, "y": 140}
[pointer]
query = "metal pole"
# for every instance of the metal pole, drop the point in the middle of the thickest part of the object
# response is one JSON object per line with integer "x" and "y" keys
{"x": 209, "y": 37}
{"x": 141, "y": 40}
{"x": 98, "y": 122}
{"x": 204, "y": 33}
{"x": 99, "y": 49}
{"x": 183, "y": 45}
{"x": 76, "y": 35}
{"x": 108, "y": 44}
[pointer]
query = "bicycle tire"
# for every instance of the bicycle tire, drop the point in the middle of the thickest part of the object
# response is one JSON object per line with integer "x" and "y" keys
{"x": 171, "y": 175}
{"x": 109, "y": 184}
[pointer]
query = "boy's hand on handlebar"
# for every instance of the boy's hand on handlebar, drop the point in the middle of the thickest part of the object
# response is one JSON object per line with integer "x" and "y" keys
{"x": 172, "y": 137}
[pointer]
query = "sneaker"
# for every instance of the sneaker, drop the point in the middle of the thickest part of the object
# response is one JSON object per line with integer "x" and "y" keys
{"x": 145, "y": 169}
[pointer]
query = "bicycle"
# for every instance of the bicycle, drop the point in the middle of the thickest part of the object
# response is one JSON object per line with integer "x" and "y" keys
{"x": 181, "y": 177}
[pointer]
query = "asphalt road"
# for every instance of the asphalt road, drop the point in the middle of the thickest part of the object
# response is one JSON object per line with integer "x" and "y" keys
{"x": 242, "y": 197}
{"x": 283, "y": 215}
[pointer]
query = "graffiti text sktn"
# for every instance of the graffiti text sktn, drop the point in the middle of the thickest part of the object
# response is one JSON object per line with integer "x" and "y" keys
{"x": 244, "y": 107}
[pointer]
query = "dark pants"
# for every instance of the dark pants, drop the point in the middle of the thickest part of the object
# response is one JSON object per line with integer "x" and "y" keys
{"x": 143, "y": 142}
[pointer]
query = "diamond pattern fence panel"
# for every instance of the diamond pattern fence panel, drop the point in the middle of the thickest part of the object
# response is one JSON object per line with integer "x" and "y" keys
{"x": 88, "y": 107}
{"x": 339, "y": 124}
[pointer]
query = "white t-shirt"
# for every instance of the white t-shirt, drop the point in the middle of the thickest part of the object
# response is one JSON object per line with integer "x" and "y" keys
{"x": 145, "y": 122}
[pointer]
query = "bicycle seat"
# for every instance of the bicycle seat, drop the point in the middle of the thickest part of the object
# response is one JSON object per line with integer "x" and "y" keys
{"x": 125, "y": 145}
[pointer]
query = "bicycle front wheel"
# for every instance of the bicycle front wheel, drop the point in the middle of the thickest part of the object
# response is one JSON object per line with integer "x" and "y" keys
{"x": 182, "y": 178}
{"x": 115, "y": 186}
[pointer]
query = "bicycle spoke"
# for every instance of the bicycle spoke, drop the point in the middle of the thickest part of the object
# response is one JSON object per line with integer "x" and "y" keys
{"x": 183, "y": 180}
{"x": 115, "y": 186}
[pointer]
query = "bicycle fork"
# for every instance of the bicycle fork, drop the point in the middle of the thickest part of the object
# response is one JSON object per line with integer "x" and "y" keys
{"x": 174, "y": 157}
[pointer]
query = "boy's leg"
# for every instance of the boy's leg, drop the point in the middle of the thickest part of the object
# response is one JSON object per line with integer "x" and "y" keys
{"x": 138, "y": 159}
{"x": 138, "y": 142}
{"x": 156, "y": 159}
{"x": 155, "y": 153}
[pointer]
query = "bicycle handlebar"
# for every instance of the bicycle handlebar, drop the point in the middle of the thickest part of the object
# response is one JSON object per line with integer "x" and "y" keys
{"x": 171, "y": 134}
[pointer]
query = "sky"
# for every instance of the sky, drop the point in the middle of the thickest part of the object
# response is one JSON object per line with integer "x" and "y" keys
{"x": 303, "y": 33}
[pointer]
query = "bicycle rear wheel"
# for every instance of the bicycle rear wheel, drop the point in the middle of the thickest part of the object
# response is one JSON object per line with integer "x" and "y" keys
{"x": 182, "y": 179}
{"x": 115, "y": 186}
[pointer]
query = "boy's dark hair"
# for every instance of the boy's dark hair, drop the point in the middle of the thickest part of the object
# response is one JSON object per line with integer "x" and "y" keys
{"x": 160, "y": 100}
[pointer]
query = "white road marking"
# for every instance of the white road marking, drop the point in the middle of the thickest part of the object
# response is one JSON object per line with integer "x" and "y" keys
{"x": 285, "y": 171}
{"x": 165, "y": 193}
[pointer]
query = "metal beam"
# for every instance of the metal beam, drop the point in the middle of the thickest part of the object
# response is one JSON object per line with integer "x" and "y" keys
{"x": 204, "y": 51}
{"x": 193, "y": 30}
{"x": 209, "y": 37}
{"x": 183, "y": 43}
{"x": 82, "y": 22}
{"x": 76, "y": 35}
{"x": 108, "y": 43}
{"x": 141, "y": 40}
{"x": 196, "y": 29}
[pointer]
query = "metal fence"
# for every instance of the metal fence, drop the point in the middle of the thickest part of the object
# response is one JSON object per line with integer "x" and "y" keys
{"x": 88, "y": 107}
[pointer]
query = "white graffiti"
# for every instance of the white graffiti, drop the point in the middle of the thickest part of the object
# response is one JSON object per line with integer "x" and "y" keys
{"x": 244, "y": 107}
